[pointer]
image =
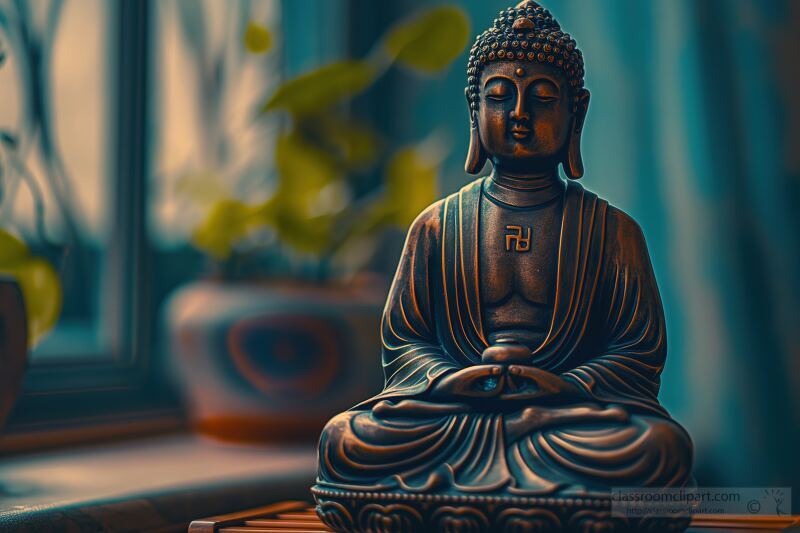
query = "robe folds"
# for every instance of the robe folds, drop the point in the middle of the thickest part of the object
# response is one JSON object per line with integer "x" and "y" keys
{"x": 607, "y": 336}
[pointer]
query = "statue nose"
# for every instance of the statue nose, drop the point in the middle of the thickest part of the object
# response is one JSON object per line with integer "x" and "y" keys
{"x": 519, "y": 112}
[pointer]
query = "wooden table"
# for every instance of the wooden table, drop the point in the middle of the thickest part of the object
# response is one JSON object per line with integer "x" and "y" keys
{"x": 299, "y": 517}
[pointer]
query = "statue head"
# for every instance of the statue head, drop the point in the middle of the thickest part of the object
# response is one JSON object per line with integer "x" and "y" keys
{"x": 525, "y": 93}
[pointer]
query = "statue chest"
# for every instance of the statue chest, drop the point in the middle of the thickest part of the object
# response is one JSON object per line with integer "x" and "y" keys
{"x": 518, "y": 251}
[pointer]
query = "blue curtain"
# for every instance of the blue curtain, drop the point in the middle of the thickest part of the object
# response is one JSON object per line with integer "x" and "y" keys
{"x": 693, "y": 129}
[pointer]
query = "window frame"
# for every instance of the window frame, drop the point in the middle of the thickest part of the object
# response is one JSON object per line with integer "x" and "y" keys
{"x": 128, "y": 391}
{"x": 126, "y": 386}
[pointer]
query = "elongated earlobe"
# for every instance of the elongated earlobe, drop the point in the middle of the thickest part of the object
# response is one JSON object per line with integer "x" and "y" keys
{"x": 573, "y": 162}
{"x": 476, "y": 155}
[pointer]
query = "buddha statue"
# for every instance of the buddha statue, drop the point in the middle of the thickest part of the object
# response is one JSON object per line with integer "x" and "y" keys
{"x": 523, "y": 336}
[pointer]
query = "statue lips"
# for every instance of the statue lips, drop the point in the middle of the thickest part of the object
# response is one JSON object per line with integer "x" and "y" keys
{"x": 520, "y": 132}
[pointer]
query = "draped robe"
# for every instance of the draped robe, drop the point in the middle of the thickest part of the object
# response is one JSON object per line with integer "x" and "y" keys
{"x": 607, "y": 336}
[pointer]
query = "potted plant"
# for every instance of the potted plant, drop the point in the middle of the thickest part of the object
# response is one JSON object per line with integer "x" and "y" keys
{"x": 30, "y": 289}
{"x": 286, "y": 330}
{"x": 30, "y": 301}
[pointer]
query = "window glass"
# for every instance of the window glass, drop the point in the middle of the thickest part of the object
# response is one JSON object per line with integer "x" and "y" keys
{"x": 58, "y": 203}
{"x": 210, "y": 142}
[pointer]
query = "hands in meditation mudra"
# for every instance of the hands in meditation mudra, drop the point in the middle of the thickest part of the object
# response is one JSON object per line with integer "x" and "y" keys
{"x": 523, "y": 336}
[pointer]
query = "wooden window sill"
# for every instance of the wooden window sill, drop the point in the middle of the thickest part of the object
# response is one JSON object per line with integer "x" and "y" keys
{"x": 158, "y": 484}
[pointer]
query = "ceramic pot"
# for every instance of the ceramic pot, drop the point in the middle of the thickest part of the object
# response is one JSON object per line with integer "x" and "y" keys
{"x": 273, "y": 362}
{"x": 13, "y": 345}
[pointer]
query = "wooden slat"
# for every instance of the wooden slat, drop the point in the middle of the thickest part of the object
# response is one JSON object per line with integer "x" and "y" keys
{"x": 215, "y": 523}
{"x": 265, "y": 530}
{"x": 303, "y": 516}
{"x": 283, "y": 523}
{"x": 745, "y": 522}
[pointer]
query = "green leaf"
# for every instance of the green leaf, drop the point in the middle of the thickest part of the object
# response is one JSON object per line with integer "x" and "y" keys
{"x": 257, "y": 38}
{"x": 297, "y": 211}
{"x": 411, "y": 184}
{"x": 39, "y": 282}
{"x": 12, "y": 249}
{"x": 304, "y": 170}
{"x": 356, "y": 144}
{"x": 431, "y": 40}
{"x": 319, "y": 89}
{"x": 222, "y": 227}
{"x": 41, "y": 288}
{"x": 227, "y": 222}
{"x": 309, "y": 235}
{"x": 201, "y": 187}
{"x": 303, "y": 220}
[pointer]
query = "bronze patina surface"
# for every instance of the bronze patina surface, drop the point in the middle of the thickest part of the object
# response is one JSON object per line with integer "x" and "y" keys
{"x": 523, "y": 337}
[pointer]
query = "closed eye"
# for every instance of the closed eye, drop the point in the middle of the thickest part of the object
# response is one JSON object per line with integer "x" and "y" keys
{"x": 498, "y": 97}
{"x": 544, "y": 91}
{"x": 497, "y": 90}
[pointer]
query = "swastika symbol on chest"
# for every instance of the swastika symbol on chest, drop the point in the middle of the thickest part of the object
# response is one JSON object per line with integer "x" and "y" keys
{"x": 515, "y": 234}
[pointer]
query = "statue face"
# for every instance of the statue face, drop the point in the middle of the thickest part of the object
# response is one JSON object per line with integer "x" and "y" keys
{"x": 525, "y": 113}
